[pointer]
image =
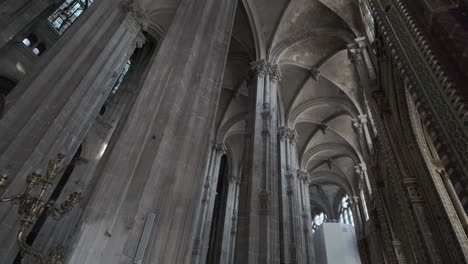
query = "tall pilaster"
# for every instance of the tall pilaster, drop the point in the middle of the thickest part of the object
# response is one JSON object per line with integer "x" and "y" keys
{"x": 258, "y": 226}
{"x": 361, "y": 171}
{"x": 306, "y": 215}
{"x": 293, "y": 235}
{"x": 51, "y": 110}
{"x": 202, "y": 235}
{"x": 361, "y": 125}
{"x": 158, "y": 165}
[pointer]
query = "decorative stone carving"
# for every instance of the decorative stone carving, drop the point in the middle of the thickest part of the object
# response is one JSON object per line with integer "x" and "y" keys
{"x": 260, "y": 68}
{"x": 360, "y": 169}
{"x": 293, "y": 136}
{"x": 290, "y": 134}
{"x": 354, "y": 53}
{"x": 275, "y": 74}
{"x": 304, "y": 176}
{"x": 283, "y": 133}
{"x": 413, "y": 190}
{"x": 220, "y": 148}
{"x": 136, "y": 12}
{"x": 357, "y": 125}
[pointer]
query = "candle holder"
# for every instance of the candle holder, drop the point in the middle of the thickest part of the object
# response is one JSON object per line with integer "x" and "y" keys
{"x": 31, "y": 205}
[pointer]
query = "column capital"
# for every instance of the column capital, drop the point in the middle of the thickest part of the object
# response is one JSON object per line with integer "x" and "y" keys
{"x": 260, "y": 67}
{"x": 363, "y": 119}
{"x": 357, "y": 125}
{"x": 354, "y": 52}
{"x": 304, "y": 176}
{"x": 361, "y": 42}
{"x": 234, "y": 179}
{"x": 361, "y": 168}
{"x": 136, "y": 13}
{"x": 274, "y": 72}
{"x": 283, "y": 133}
{"x": 293, "y": 136}
{"x": 288, "y": 133}
{"x": 219, "y": 148}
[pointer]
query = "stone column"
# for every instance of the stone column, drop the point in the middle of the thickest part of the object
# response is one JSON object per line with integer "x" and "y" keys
{"x": 52, "y": 110}
{"x": 258, "y": 226}
{"x": 359, "y": 55}
{"x": 455, "y": 200}
{"x": 361, "y": 170}
{"x": 292, "y": 236}
{"x": 158, "y": 165}
{"x": 362, "y": 129}
{"x": 306, "y": 216}
{"x": 202, "y": 237}
{"x": 18, "y": 14}
{"x": 87, "y": 169}
{"x": 229, "y": 231}
{"x": 357, "y": 210}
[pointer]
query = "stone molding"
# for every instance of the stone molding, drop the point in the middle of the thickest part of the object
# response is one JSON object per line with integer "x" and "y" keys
{"x": 137, "y": 14}
{"x": 426, "y": 79}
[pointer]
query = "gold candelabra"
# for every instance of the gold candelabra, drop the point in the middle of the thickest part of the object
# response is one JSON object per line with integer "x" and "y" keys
{"x": 31, "y": 205}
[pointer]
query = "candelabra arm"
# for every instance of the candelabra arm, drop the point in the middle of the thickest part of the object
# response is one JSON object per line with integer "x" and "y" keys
{"x": 10, "y": 199}
{"x": 59, "y": 212}
{"x": 27, "y": 248}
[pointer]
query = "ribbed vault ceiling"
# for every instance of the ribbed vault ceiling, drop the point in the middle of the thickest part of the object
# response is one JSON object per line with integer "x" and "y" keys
{"x": 301, "y": 36}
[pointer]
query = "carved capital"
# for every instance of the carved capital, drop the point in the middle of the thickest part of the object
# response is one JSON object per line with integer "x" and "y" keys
{"x": 361, "y": 169}
{"x": 357, "y": 125}
{"x": 354, "y": 52}
{"x": 136, "y": 13}
{"x": 293, "y": 136}
{"x": 275, "y": 74}
{"x": 361, "y": 42}
{"x": 260, "y": 68}
{"x": 413, "y": 190}
{"x": 219, "y": 148}
{"x": 304, "y": 176}
{"x": 283, "y": 133}
{"x": 234, "y": 179}
{"x": 363, "y": 119}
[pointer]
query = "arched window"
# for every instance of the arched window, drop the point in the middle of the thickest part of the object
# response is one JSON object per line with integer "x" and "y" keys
{"x": 317, "y": 220}
{"x": 364, "y": 205}
{"x": 121, "y": 77}
{"x": 67, "y": 13}
{"x": 345, "y": 211}
{"x": 39, "y": 49}
{"x": 30, "y": 40}
{"x": 368, "y": 20}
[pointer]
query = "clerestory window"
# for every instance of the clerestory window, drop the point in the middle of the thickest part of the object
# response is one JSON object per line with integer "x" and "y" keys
{"x": 121, "y": 77}
{"x": 368, "y": 20}
{"x": 67, "y": 13}
{"x": 345, "y": 211}
{"x": 317, "y": 220}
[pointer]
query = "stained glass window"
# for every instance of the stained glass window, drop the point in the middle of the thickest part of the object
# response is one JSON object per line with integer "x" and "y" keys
{"x": 121, "y": 77}
{"x": 368, "y": 20}
{"x": 317, "y": 220}
{"x": 67, "y": 13}
{"x": 346, "y": 213}
{"x": 364, "y": 205}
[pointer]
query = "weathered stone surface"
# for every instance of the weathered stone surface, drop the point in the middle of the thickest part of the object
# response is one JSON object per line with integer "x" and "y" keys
{"x": 158, "y": 164}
